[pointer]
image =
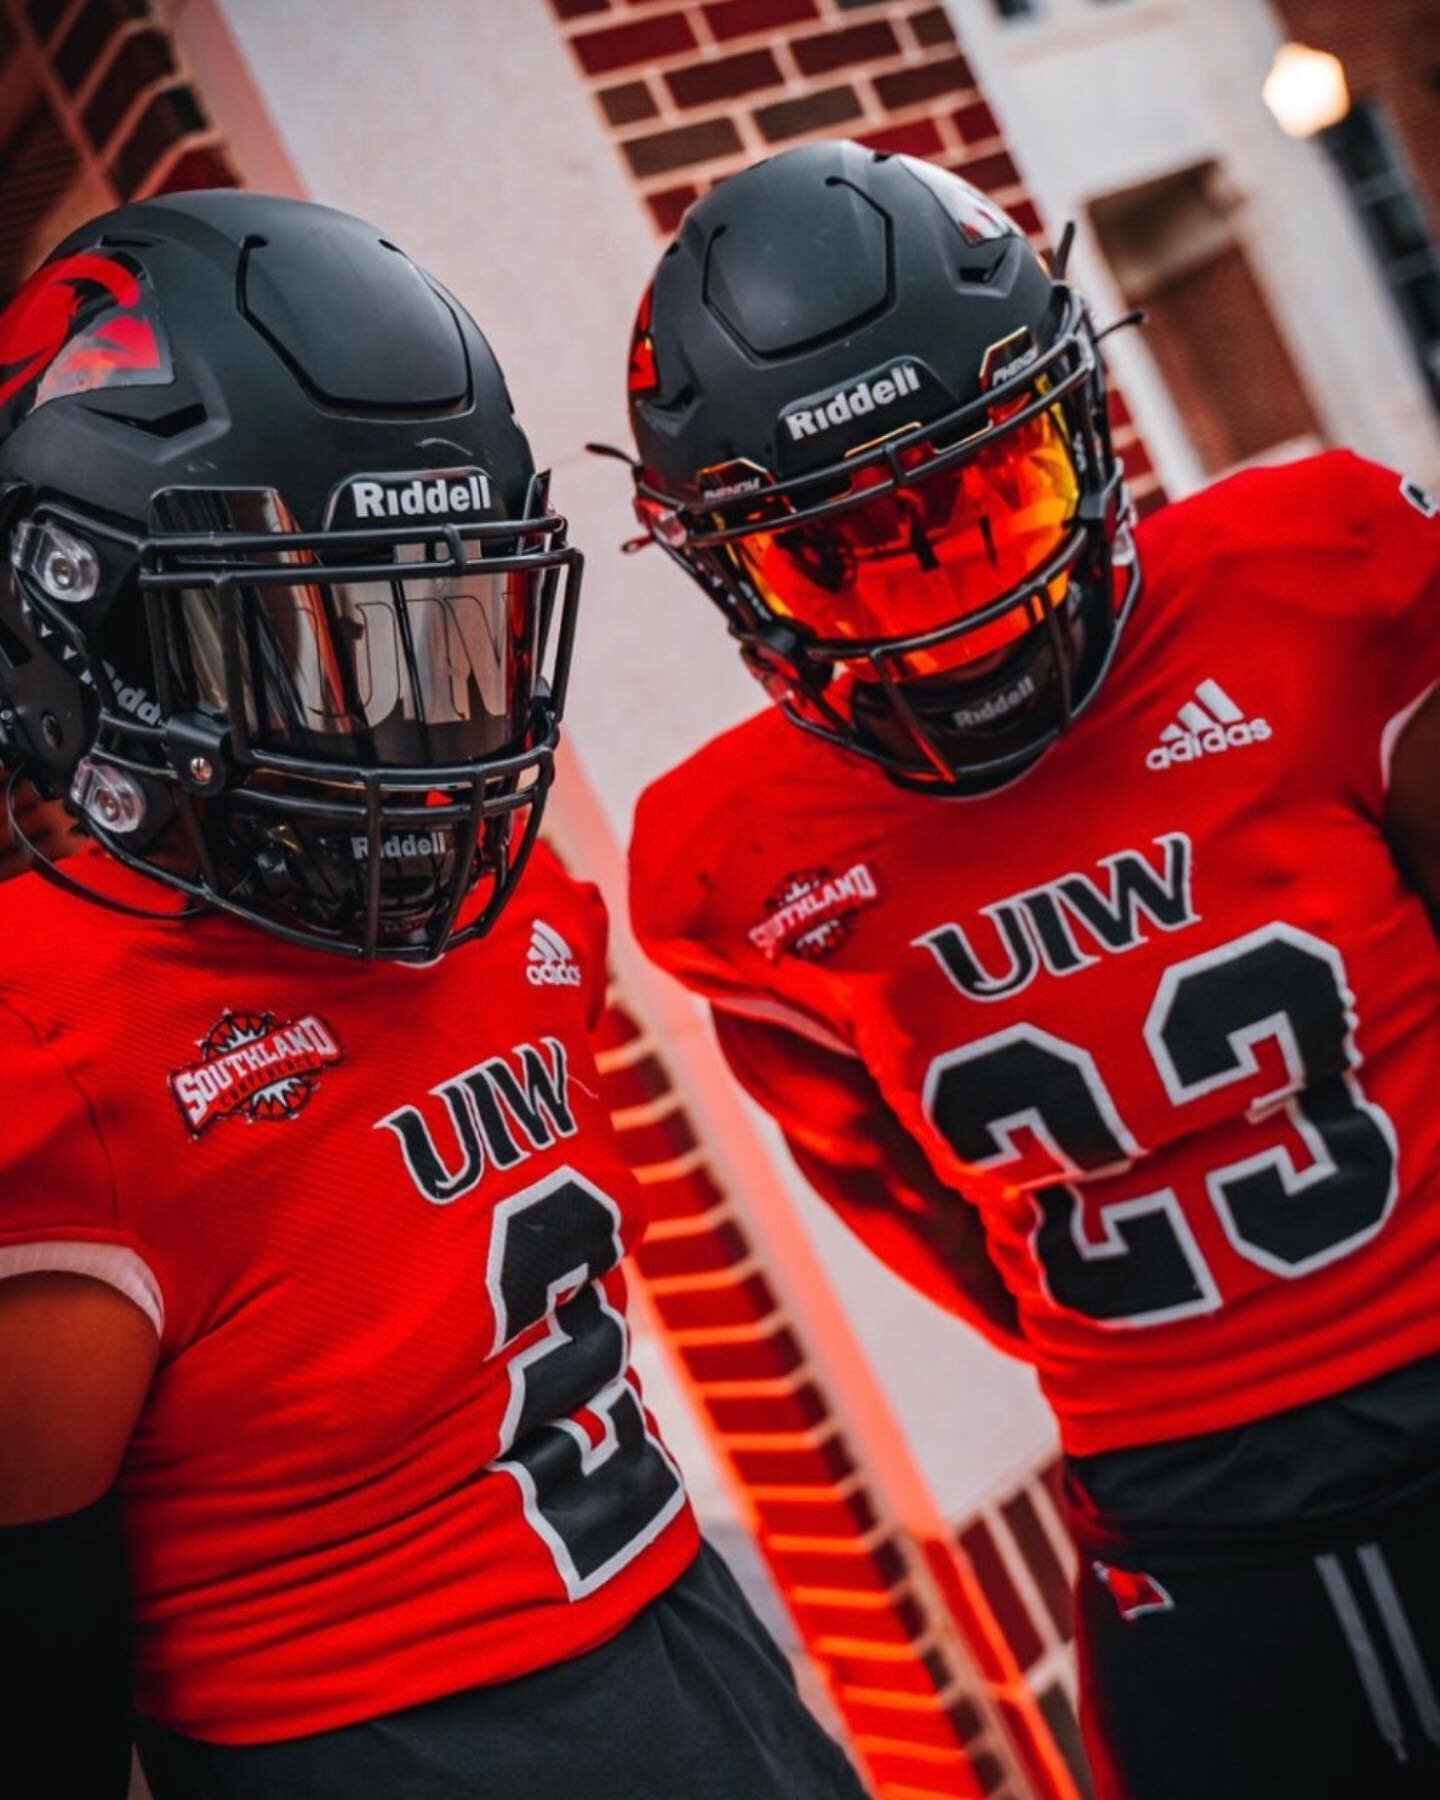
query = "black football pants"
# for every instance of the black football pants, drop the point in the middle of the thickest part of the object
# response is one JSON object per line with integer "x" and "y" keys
{"x": 1311, "y": 1675}
{"x": 692, "y": 1701}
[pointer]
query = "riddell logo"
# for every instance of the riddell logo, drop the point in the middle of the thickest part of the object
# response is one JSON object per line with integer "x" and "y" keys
{"x": 1208, "y": 725}
{"x": 853, "y": 402}
{"x": 445, "y": 494}
{"x": 997, "y": 706}
{"x": 133, "y": 700}
{"x": 252, "y": 1068}
{"x": 550, "y": 962}
{"x": 395, "y": 847}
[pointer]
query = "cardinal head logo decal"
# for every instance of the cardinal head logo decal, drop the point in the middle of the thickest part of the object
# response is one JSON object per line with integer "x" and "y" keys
{"x": 644, "y": 376}
{"x": 79, "y": 324}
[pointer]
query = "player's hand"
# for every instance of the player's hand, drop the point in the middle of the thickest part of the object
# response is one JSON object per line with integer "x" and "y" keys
{"x": 46, "y": 823}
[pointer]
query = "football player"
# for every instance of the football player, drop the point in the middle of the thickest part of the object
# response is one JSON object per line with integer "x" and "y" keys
{"x": 310, "y": 1214}
{"x": 1069, "y": 913}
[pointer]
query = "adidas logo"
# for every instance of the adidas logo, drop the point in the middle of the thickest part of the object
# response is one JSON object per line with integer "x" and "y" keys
{"x": 1206, "y": 726}
{"x": 550, "y": 962}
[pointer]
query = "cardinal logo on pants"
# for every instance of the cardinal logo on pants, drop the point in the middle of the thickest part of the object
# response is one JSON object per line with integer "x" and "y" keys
{"x": 1135, "y": 1593}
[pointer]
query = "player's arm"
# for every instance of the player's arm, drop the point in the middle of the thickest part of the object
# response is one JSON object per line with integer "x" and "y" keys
{"x": 1412, "y": 818}
{"x": 859, "y": 1158}
{"x": 76, "y": 1359}
{"x": 1393, "y": 666}
{"x": 81, "y": 1313}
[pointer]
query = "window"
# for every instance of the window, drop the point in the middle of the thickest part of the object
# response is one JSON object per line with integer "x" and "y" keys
{"x": 1221, "y": 352}
{"x": 1372, "y": 167}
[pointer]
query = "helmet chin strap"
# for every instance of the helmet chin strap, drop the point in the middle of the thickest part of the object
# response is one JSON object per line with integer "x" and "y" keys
{"x": 50, "y": 871}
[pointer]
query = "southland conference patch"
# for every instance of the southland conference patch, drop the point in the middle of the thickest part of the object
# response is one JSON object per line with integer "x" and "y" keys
{"x": 812, "y": 912}
{"x": 253, "y": 1068}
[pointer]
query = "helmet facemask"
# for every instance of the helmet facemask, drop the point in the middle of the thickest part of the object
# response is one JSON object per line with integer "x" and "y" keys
{"x": 348, "y": 735}
{"x": 941, "y": 601}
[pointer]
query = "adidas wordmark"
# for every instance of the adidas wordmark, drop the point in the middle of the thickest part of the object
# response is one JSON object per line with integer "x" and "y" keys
{"x": 1206, "y": 726}
{"x": 550, "y": 962}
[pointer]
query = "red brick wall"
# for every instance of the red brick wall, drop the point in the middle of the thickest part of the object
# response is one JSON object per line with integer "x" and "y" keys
{"x": 692, "y": 90}
{"x": 1391, "y": 53}
{"x": 105, "y": 112}
{"x": 122, "y": 94}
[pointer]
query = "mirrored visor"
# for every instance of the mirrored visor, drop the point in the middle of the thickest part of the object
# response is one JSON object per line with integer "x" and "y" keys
{"x": 930, "y": 554}
{"x": 417, "y": 664}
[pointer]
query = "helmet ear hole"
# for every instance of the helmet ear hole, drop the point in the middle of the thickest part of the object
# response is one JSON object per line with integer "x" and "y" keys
{"x": 110, "y": 798}
{"x": 64, "y": 566}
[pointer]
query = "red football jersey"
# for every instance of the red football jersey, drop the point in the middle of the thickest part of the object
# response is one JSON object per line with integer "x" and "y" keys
{"x": 394, "y": 1447}
{"x": 1163, "y": 1008}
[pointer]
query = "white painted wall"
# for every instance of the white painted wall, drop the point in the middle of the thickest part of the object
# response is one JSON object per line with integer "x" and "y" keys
{"x": 1097, "y": 95}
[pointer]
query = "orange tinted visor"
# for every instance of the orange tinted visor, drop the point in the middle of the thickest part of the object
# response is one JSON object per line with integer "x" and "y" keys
{"x": 931, "y": 554}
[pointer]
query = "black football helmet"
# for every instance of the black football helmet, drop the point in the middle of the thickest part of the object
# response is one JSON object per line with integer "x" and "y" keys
{"x": 286, "y": 614}
{"x": 872, "y": 425}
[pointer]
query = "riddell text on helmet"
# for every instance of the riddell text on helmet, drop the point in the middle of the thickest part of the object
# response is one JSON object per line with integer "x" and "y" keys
{"x": 853, "y": 402}
{"x": 437, "y": 498}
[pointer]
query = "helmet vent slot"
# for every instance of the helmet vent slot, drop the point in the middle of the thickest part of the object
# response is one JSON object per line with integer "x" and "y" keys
{"x": 168, "y": 425}
{"x": 681, "y": 401}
